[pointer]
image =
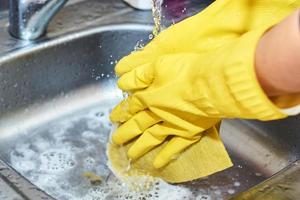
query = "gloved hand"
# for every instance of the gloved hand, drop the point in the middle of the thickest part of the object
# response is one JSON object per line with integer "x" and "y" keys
{"x": 223, "y": 21}
{"x": 194, "y": 74}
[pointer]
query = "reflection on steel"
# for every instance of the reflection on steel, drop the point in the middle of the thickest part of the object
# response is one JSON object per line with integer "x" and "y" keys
{"x": 28, "y": 19}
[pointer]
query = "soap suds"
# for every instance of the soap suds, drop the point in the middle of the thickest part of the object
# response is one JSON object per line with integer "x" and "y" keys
{"x": 57, "y": 155}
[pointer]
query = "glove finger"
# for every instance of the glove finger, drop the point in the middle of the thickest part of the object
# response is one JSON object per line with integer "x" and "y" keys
{"x": 192, "y": 122}
{"x": 147, "y": 141}
{"x": 132, "y": 61}
{"x": 152, "y": 137}
{"x": 134, "y": 127}
{"x": 126, "y": 109}
{"x": 139, "y": 78}
{"x": 172, "y": 149}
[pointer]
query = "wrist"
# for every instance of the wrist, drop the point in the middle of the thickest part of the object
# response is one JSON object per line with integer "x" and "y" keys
{"x": 277, "y": 60}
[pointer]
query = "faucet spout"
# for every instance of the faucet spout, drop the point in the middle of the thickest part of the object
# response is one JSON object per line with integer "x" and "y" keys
{"x": 28, "y": 19}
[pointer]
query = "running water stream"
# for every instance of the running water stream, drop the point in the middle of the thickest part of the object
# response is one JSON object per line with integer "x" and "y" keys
{"x": 156, "y": 11}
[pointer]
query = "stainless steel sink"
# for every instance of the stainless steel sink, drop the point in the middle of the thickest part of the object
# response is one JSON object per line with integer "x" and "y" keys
{"x": 55, "y": 96}
{"x": 54, "y": 104}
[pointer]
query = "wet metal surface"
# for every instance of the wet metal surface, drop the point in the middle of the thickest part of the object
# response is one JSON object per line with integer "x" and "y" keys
{"x": 56, "y": 95}
{"x": 15, "y": 187}
{"x": 7, "y": 192}
{"x": 283, "y": 186}
{"x": 43, "y": 101}
{"x": 28, "y": 20}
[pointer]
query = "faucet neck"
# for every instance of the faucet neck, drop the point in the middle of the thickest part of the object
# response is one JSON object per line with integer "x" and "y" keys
{"x": 28, "y": 19}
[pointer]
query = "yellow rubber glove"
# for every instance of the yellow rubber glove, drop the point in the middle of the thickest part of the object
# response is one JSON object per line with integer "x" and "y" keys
{"x": 223, "y": 21}
{"x": 203, "y": 158}
{"x": 194, "y": 74}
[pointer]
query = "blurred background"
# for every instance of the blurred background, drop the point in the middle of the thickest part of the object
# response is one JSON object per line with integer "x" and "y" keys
{"x": 3, "y": 4}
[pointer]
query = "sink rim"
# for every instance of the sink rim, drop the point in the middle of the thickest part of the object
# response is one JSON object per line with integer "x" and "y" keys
{"x": 49, "y": 43}
{"x": 32, "y": 47}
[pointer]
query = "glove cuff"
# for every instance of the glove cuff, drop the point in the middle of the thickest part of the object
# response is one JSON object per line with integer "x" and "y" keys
{"x": 240, "y": 76}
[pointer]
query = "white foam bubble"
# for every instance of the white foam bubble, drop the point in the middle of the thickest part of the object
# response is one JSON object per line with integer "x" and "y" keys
{"x": 89, "y": 162}
{"x": 90, "y": 134}
{"x": 93, "y": 124}
{"x": 203, "y": 197}
{"x": 116, "y": 190}
{"x": 56, "y": 160}
{"x": 57, "y": 156}
{"x": 25, "y": 165}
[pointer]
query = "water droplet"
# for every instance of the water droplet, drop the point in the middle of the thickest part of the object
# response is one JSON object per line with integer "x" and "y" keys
{"x": 231, "y": 191}
{"x": 237, "y": 184}
{"x": 151, "y": 36}
{"x": 258, "y": 174}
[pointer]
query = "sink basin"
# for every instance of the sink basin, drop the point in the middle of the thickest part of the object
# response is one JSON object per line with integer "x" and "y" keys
{"x": 54, "y": 105}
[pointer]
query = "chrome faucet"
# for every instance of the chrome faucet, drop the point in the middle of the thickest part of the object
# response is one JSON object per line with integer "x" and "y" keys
{"x": 28, "y": 19}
